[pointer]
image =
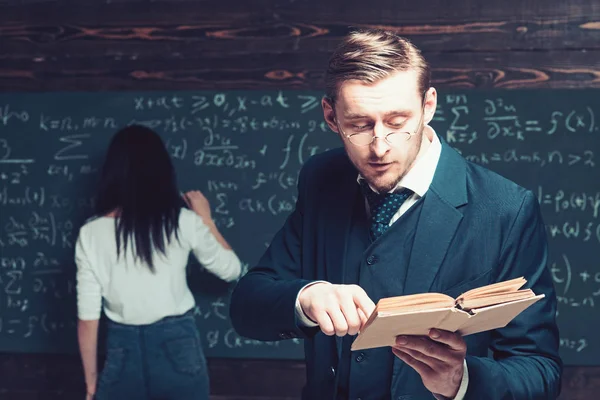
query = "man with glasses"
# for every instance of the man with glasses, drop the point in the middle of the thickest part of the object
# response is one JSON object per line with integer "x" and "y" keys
{"x": 397, "y": 211}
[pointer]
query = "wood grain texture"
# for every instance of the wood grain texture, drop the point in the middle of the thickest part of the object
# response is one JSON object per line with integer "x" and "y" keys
{"x": 556, "y": 69}
{"x": 194, "y": 41}
{"x": 273, "y": 32}
{"x": 189, "y": 29}
{"x": 232, "y": 44}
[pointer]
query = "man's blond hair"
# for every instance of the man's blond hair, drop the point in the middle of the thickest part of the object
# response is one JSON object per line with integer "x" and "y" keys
{"x": 371, "y": 55}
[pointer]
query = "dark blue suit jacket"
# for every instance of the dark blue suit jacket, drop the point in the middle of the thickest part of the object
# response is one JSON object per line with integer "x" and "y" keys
{"x": 475, "y": 228}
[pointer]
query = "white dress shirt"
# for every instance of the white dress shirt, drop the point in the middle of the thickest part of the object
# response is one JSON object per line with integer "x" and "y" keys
{"x": 132, "y": 293}
{"x": 418, "y": 179}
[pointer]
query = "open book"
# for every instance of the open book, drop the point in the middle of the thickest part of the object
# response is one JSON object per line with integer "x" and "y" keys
{"x": 481, "y": 309}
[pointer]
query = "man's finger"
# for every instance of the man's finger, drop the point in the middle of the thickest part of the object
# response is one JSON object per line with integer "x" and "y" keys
{"x": 433, "y": 363}
{"x": 363, "y": 317}
{"x": 351, "y": 316}
{"x": 325, "y": 323}
{"x": 363, "y": 301}
{"x": 340, "y": 325}
{"x": 427, "y": 347}
{"x": 421, "y": 368}
{"x": 450, "y": 339}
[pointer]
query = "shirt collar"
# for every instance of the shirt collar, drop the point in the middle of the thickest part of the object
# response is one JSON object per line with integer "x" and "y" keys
{"x": 419, "y": 177}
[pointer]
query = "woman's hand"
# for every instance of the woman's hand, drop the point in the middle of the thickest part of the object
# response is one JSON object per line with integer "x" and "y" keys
{"x": 199, "y": 204}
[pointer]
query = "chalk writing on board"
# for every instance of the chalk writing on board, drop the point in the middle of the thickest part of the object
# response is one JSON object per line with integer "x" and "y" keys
{"x": 22, "y": 196}
{"x": 244, "y": 150}
{"x": 549, "y": 158}
{"x": 6, "y": 114}
{"x": 563, "y": 201}
{"x": 575, "y": 230}
{"x": 565, "y": 277}
{"x": 71, "y": 150}
{"x": 577, "y": 345}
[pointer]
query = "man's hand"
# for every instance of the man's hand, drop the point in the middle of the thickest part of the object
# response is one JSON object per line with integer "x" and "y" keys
{"x": 438, "y": 358}
{"x": 338, "y": 309}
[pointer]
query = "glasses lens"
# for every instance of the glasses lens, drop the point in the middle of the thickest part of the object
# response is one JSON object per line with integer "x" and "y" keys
{"x": 397, "y": 138}
{"x": 361, "y": 139}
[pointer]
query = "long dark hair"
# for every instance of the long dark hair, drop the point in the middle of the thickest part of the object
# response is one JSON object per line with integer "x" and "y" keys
{"x": 138, "y": 182}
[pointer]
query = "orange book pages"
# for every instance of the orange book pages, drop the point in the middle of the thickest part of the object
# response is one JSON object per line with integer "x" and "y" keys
{"x": 423, "y": 301}
{"x": 383, "y": 329}
{"x": 500, "y": 287}
{"x": 494, "y": 317}
{"x": 490, "y": 300}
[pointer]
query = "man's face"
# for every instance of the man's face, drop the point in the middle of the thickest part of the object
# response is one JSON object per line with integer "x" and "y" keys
{"x": 392, "y": 104}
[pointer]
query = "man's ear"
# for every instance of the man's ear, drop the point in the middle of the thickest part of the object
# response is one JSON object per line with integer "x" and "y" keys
{"x": 329, "y": 114}
{"x": 430, "y": 105}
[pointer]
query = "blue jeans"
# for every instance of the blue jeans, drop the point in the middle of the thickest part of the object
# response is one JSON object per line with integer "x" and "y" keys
{"x": 163, "y": 360}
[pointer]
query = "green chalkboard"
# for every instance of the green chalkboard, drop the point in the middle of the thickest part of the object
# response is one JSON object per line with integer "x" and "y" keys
{"x": 244, "y": 149}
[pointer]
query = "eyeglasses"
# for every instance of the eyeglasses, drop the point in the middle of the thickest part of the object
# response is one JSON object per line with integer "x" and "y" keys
{"x": 395, "y": 138}
{"x": 365, "y": 138}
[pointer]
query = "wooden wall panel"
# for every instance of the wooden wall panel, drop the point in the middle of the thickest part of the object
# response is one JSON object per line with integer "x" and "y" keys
{"x": 237, "y": 44}
{"x": 553, "y": 69}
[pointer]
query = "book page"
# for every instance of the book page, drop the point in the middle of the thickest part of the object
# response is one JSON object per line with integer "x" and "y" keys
{"x": 501, "y": 287}
{"x": 487, "y": 300}
{"x": 413, "y": 302}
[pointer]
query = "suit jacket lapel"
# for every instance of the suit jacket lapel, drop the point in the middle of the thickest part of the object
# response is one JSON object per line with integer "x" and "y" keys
{"x": 438, "y": 222}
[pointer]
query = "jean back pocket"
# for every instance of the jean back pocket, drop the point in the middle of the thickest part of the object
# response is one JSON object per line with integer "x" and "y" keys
{"x": 186, "y": 355}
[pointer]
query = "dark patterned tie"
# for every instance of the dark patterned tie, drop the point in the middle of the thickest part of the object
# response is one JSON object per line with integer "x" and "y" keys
{"x": 383, "y": 207}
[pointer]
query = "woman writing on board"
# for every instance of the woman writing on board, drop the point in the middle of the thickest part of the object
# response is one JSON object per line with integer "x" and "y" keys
{"x": 131, "y": 261}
